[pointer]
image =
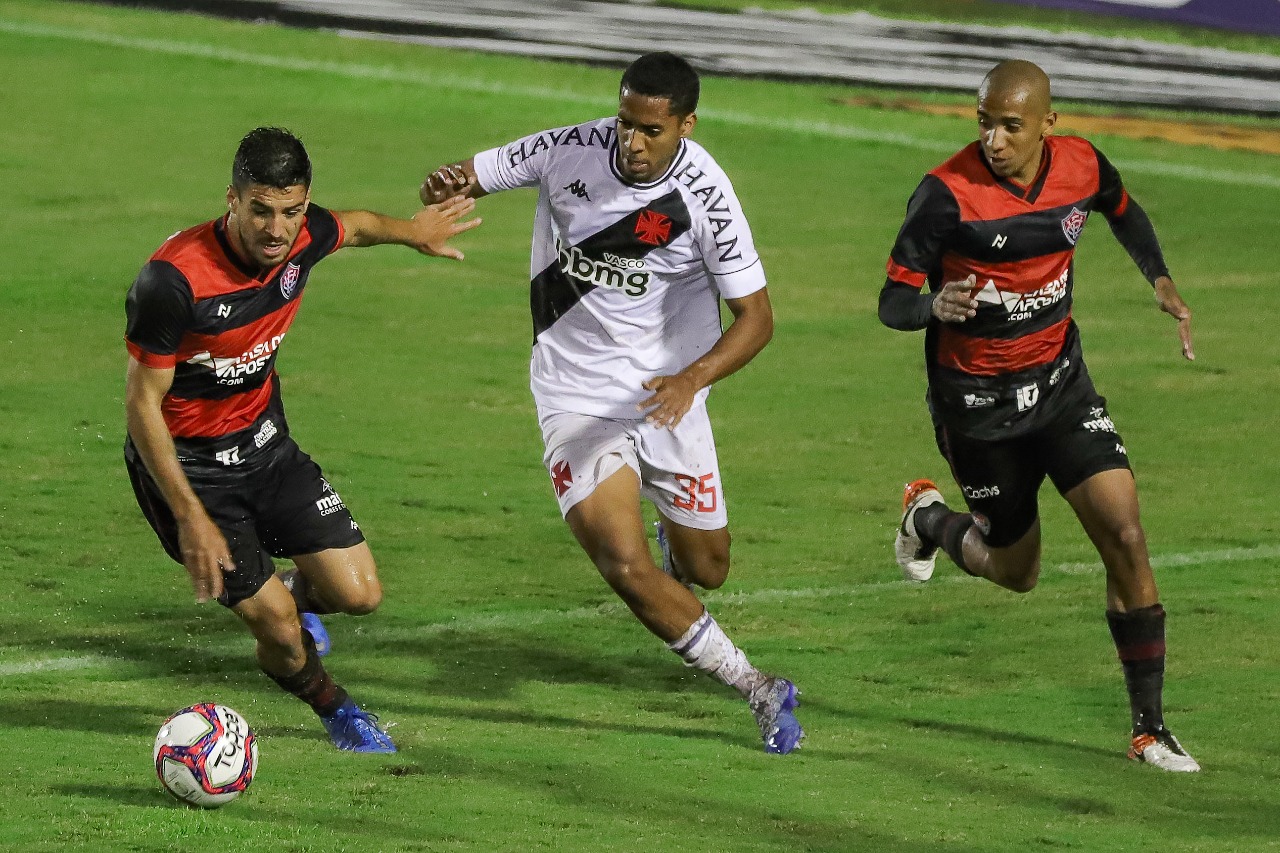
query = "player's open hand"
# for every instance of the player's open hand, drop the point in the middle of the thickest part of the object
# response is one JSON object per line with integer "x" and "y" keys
{"x": 445, "y": 183}
{"x": 205, "y": 555}
{"x": 671, "y": 400}
{"x": 954, "y": 303}
{"x": 436, "y": 224}
{"x": 1171, "y": 303}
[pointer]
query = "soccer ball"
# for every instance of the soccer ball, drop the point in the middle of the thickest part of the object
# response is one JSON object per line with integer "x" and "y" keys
{"x": 206, "y": 755}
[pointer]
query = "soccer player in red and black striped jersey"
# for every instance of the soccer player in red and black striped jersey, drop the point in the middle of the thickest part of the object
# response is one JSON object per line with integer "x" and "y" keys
{"x": 213, "y": 466}
{"x": 993, "y": 232}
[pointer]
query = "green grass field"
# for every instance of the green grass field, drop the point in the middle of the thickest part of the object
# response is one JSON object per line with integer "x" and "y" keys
{"x": 532, "y": 711}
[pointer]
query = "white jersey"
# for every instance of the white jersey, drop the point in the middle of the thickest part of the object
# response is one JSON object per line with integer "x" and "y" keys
{"x": 626, "y": 277}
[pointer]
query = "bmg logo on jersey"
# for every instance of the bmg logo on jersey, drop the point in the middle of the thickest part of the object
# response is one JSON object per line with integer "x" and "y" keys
{"x": 625, "y": 274}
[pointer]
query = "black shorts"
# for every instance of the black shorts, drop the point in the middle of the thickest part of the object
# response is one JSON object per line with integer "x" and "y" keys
{"x": 1000, "y": 479}
{"x": 283, "y": 508}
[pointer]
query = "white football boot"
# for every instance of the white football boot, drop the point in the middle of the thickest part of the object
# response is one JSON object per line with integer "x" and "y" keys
{"x": 914, "y": 557}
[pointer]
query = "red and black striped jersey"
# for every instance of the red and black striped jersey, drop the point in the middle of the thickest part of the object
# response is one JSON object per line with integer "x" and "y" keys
{"x": 1019, "y": 242}
{"x": 218, "y": 322}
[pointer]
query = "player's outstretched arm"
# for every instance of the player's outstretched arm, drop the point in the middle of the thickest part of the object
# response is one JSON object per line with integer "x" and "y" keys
{"x": 751, "y": 329}
{"x": 453, "y": 179}
{"x": 204, "y": 549}
{"x": 1171, "y": 303}
{"x": 429, "y": 231}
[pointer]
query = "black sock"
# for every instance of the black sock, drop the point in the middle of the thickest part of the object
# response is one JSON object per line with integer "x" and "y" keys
{"x": 1139, "y": 639}
{"x": 938, "y": 525}
{"x": 312, "y": 683}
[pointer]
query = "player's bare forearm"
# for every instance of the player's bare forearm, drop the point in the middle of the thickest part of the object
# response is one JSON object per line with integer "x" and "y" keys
{"x": 144, "y": 391}
{"x": 747, "y": 335}
{"x": 450, "y": 180}
{"x": 428, "y": 231}
{"x": 204, "y": 549}
{"x": 1170, "y": 302}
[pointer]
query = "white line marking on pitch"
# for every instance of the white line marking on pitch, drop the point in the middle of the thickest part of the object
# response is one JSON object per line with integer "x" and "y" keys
{"x": 54, "y": 664}
{"x": 360, "y": 71}
{"x": 524, "y": 619}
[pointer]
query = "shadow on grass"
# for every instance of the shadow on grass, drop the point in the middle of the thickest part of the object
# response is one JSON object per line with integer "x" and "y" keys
{"x": 987, "y": 733}
{"x": 92, "y": 717}
{"x": 124, "y": 794}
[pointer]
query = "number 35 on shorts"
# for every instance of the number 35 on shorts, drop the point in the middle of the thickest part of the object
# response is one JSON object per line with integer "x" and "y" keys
{"x": 701, "y": 494}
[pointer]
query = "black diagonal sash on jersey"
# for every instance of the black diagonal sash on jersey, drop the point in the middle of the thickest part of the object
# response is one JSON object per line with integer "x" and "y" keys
{"x": 554, "y": 291}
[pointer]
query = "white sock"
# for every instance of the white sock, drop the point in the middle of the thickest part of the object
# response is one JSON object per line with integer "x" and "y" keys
{"x": 706, "y": 647}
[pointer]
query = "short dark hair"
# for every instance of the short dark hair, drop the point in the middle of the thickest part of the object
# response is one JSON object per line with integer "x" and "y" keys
{"x": 273, "y": 157}
{"x": 664, "y": 75}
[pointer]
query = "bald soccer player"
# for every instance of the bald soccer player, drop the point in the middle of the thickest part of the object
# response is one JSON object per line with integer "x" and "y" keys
{"x": 993, "y": 232}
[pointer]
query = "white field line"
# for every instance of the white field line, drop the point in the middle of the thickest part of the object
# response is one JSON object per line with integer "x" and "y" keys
{"x": 359, "y": 71}
{"x": 53, "y": 664}
{"x": 525, "y": 619}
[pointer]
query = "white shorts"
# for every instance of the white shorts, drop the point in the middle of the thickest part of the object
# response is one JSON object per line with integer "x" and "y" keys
{"x": 678, "y": 469}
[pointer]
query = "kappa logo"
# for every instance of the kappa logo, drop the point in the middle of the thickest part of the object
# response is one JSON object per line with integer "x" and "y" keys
{"x": 653, "y": 228}
{"x": 1073, "y": 224}
{"x": 579, "y": 189}
{"x": 289, "y": 279}
{"x": 561, "y": 478}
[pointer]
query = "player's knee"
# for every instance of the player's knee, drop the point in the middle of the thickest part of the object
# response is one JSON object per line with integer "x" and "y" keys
{"x": 359, "y": 599}
{"x": 1130, "y": 537}
{"x": 711, "y": 568}
{"x": 1019, "y": 576}
{"x": 627, "y": 575}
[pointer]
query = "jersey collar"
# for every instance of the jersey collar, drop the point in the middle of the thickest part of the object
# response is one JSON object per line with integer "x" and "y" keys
{"x": 1032, "y": 191}
{"x": 220, "y": 231}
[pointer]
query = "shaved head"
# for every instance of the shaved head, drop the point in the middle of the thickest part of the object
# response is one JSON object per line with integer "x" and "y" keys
{"x": 1020, "y": 81}
{"x": 1015, "y": 115}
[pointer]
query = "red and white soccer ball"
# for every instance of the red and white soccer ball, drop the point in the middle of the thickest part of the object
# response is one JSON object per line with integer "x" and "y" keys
{"x": 206, "y": 755}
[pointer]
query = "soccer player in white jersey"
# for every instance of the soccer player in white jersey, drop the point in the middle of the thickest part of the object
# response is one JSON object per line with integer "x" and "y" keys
{"x": 638, "y": 235}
